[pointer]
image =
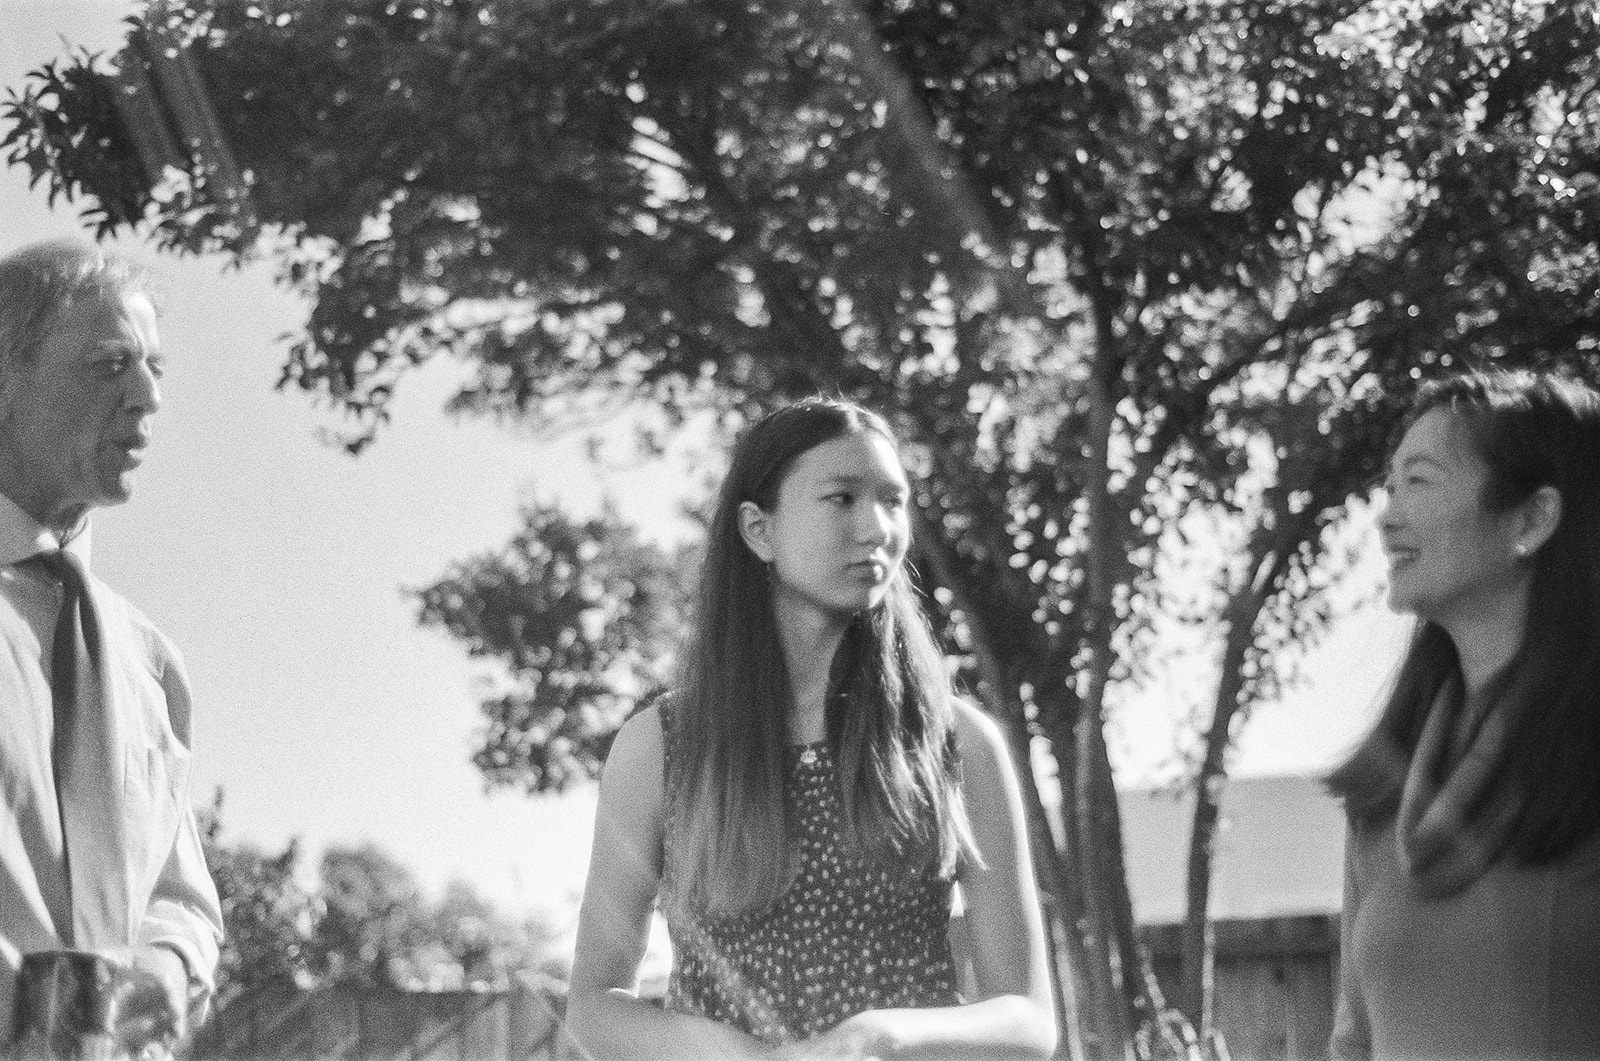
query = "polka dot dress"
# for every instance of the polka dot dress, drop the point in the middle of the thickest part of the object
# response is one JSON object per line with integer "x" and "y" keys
{"x": 844, "y": 937}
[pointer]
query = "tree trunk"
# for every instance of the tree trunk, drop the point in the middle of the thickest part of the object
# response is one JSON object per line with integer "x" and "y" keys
{"x": 1060, "y": 899}
{"x": 1092, "y": 796}
{"x": 1061, "y": 909}
{"x": 1198, "y": 948}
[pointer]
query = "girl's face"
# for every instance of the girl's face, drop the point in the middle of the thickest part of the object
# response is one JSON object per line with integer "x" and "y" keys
{"x": 839, "y": 530}
{"x": 1448, "y": 554}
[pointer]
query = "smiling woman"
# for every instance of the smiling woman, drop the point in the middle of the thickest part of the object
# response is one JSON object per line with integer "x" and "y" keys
{"x": 1472, "y": 883}
{"x": 1453, "y": 552}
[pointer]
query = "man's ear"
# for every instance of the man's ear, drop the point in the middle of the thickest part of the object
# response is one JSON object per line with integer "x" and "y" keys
{"x": 755, "y": 527}
{"x": 1537, "y": 520}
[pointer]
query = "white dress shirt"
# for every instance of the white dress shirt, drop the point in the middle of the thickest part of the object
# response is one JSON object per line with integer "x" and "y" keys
{"x": 153, "y": 886}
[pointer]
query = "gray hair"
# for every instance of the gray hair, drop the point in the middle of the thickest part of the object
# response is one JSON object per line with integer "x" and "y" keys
{"x": 42, "y": 279}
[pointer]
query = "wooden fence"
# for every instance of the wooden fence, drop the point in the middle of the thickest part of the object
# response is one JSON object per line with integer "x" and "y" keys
{"x": 1274, "y": 986}
{"x": 378, "y": 1024}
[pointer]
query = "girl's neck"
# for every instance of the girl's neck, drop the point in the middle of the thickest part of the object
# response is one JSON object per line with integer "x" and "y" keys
{"x": 809, "y": 640}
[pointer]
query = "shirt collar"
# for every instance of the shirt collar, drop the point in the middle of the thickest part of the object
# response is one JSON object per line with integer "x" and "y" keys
{"x": 22, "y": 536}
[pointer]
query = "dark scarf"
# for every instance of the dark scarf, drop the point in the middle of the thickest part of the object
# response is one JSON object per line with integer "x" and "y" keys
{"x": 1454, "y": 822}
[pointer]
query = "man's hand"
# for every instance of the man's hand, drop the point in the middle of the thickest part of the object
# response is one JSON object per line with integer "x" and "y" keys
{"x": 151, "y": 1002}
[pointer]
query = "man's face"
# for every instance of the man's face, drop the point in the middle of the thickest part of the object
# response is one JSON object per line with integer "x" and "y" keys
{"x": 75, "y": 420}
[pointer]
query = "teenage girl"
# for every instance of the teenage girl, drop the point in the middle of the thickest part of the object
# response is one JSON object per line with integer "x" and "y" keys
{"x": 801, "y": 806}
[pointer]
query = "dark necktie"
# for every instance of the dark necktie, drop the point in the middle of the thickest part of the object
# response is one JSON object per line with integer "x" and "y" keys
{"x": 79, "y": 755}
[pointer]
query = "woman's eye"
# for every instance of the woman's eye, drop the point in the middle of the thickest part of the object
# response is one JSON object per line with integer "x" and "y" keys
{"x": 1393, "y": 482}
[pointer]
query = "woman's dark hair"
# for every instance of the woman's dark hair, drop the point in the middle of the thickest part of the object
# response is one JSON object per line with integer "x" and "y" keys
{"x": 1531, "y": 430}
{"x": 889, "y": 714}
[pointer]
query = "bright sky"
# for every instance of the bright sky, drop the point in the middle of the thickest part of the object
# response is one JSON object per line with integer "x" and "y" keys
{"x": 277, "y": 563}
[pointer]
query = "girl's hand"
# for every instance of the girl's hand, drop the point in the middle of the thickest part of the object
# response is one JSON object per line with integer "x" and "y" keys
{"x": 867, "y": 1036}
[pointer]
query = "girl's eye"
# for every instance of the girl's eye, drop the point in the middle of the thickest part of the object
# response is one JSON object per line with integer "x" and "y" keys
{"x": 842, "y": 499}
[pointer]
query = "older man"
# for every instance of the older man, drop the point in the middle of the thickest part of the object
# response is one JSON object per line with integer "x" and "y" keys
{"x": 98, "y": 845}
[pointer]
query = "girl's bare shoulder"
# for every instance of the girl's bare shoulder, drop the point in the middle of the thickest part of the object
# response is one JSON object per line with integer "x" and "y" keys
{"x": 636, "y": 755}
{"x": 978, "y": 735}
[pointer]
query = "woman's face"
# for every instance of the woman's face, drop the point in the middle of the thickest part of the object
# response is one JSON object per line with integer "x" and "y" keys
{"x": 1449, "y": 557}
{"x": 839, "y": 530}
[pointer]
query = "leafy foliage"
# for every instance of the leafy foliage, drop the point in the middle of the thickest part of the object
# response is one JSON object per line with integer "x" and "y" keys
{"x": 267, "y": 915}
{"x": 370, "y": 919}
{"x": 584, "y": 616}
{"x": 366, "y": 920}
{"x": 374, "y": 926}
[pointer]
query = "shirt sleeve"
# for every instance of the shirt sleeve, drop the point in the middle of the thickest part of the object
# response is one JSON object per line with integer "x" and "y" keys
{"x": 185, "y": 915}
{"x": 1352, "y": 1036}
{"x": 184, "y": 912}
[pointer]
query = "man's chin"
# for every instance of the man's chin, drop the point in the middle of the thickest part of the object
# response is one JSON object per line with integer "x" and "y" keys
{"x": 114, "y": 490}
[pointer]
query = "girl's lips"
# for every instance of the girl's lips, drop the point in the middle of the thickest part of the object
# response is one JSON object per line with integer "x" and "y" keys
{"x": 877, "y": 570}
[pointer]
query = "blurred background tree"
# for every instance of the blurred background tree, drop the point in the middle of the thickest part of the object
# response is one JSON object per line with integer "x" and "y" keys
{"x": 584, "y": 616}
{"x": 363, "y": 920}
{"x": 267, "y": 914}
{"x": 370, "y": 921}
{"x": 1143, "y": 286}
{"x": 375, "y": 927}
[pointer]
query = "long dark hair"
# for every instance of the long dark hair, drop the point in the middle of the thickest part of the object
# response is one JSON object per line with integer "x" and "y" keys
{"x": 889, "y": 712}
{"x": 1532, "y": 430}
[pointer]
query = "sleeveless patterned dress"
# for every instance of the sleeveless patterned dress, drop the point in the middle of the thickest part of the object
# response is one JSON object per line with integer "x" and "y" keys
{"x": 844, "y": 937}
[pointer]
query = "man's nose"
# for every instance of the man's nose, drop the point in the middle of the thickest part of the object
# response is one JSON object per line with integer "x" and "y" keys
{"x": 143, "y": 392}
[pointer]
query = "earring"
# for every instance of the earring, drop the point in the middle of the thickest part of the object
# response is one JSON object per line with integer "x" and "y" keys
{"x": 1521, "y": 551}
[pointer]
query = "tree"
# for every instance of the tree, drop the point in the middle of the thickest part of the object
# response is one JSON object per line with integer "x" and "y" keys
{"x": 375, "y": 926}
{"x": 484, "y": 947}
{"x": 371, "y": 924}
{"x": 1080, "y": 253}
{"x": 267, "y": 916}
{"x": 583, "y": 615}
{"x": 1475, "y": 244}
{"x": 367, "y": 921}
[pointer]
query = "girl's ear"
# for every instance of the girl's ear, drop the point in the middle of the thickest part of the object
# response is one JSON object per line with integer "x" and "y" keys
{"x": 1538, "y": 518}
{"x": 755, "y": 527}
